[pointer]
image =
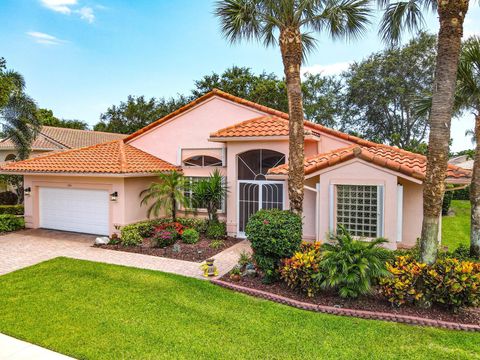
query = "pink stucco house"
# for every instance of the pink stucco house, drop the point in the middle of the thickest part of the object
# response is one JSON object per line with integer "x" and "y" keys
{"x": 374, "y": 190}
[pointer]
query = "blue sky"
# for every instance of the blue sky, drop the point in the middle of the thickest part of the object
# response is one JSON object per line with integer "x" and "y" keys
{"x": 81, "y": 56}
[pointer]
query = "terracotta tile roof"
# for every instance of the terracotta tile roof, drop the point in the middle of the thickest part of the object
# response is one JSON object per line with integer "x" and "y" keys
{"x": 398, "y": 160}
{"x": 54, "y": 138}
{"x": 260, "y": 126}
{"x": 114, "y": 157}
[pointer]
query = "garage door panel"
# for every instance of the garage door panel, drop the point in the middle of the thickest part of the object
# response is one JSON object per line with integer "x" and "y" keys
{"x": 80, "y": 210}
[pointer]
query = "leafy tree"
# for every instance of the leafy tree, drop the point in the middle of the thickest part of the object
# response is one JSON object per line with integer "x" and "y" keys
{"x": 380, "y": 93}
{"x": 399, "y": 16}
{"x": 209, "y": 193}
{"x": 468, "y": 98}
{"x": 47, "y": 118}
{"x": 165, "y": 194}
{"x": 136, "y": 113}
{"x": 290, "y": 23}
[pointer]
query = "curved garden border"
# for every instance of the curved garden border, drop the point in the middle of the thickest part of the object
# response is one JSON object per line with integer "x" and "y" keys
{"x": 412, "y": 320}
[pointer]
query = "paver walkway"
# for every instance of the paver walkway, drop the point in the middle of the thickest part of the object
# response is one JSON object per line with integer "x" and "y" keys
{"x": 14, "y": 349}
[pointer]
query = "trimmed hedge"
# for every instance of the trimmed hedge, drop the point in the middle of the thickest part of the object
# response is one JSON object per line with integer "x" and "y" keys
{"x": 9, "y": 222}
{"x": 11, "y": 209}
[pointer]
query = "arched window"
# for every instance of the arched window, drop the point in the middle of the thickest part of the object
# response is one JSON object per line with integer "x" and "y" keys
{"x": 202, "y": 161}
{"x": 254, "y": 164}
{"x": 10, "y": 157}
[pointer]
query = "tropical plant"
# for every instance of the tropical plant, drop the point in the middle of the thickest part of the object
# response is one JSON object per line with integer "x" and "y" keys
{"x": 190, "y": 236}
{"x": 352, "y": 266}
{"x": 165, "y": 194}
{"x": 468, "y": 98}
{"x": 407, "y": 14}
{"x": 209, "y": 193}
{"x": 162, "y": 238}
{"x": 290, "y": 23}
{"x": 216, "y": 230}
{"x": 216, "y": 244}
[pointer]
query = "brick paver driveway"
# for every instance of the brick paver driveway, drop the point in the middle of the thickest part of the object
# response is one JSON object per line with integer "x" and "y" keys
{"x": 28, "y": 247}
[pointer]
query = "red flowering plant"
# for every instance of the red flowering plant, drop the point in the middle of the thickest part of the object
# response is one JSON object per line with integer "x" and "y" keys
{"x": 171, "y": 226}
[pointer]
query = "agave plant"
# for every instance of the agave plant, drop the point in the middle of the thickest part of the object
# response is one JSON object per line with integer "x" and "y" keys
{"x": 352, "y": 266}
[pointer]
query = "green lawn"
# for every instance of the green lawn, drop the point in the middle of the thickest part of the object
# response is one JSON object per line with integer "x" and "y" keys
{"x": 456, "y": 229}
{"x": 98, "y": 311}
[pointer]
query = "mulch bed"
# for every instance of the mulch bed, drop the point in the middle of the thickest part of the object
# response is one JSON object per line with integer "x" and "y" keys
{"x": 189, "y": 252}
{"x": 375, "y": 303}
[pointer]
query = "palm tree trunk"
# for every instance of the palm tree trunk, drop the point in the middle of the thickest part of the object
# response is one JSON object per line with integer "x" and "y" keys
{"x": 291, "y": 48}
{"x": 174, "y": 207}
{"x": 451, "y": 15}
{"x": 475, "y": 195}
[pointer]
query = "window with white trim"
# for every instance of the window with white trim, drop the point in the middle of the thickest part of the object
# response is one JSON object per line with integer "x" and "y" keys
{"x": 189, "y": 192}
{"x": 359, "y": 208}
{"x": 202, "y": 161}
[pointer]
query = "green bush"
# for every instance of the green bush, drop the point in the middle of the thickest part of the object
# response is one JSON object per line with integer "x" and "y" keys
{"x": 9, "y": 222}
{"x": 190, "y": 236}
{"x": 462, "y": 194}
{"x": 351, "y": 266}
{"x": 163, "y": 238}
{"x": 11, "y": 209}
{"x": 216, "y": 244}
{"x": 216, "y": 230}
{"x": 130, "y": 235}
{"x": 447, "y": 200}
{"x": 274, "y": 235}
{"x": 200, "y": 225}
{"x": 300, "y": 272}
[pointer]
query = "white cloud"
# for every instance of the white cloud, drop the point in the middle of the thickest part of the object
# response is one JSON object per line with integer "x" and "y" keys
{"x": 86, "y": 13}
{"x": 68, "y": 7}
{"x": 45, "y": 39}
{"x": 470, "y": 28}
{"x": 331, "y": 69}
{"x": 61, "y": 6}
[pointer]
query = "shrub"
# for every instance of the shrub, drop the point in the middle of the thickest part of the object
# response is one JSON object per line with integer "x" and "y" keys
{"x": 274, "y": 235}
{"x": 216, "y": 244}
{"x": 300, "y": 271}
{"x": 11, "y": 209}
{"x": 174, "y": 227}
{"x": 190, "y": 236}
{"x": 447, "y": 200}
{"x": 244, "y": 258}
{"x": 195, "y": 223}
{"x": 462, "y": 194}
{"x": 352, "y": 266}
{"x": 8, "y": 198}
{"x": 403, "y": 285}
{"x": 216, "y": 230}
{"x": 10, "y": 222}
{"x": 130, "y": 235}
{"x": 453, "y": 283}
{"x": 163, "y": 238}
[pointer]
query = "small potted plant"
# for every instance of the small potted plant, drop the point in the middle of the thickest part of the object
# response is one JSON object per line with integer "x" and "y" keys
{"x": 236, "y": 274}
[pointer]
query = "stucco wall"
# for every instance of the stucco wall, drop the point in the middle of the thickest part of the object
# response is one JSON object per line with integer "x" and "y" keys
{"x": 192, "y": 129}
{"x": 357, "y": 172}
{"x": 330, "y": 143}
{"x": 412, "y": 212}
{"x": 134, "y": 211}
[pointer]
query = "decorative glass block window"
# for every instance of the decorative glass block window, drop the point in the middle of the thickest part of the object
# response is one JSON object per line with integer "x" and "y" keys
{"x": 359, "y": 209}
{"x": 202, "y": 161}
{"x": 189, "y": 193}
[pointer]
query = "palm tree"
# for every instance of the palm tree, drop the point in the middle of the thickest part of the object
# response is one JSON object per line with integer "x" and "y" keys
{"x": 291, "y": 24}
{"x": 400, "y": 15}
{"x": 166, "y": 194}
{"x": 18, "y": 113}
{"x": 468, "y": 97}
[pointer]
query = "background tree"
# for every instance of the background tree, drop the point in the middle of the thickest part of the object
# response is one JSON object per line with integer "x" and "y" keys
{"x": 401, "y": 15}
{"x": 47, "y": 118}
{"x": 165, "y": 194}
{"x": 380, "y": 94}
{"x": 290, "y": 23}
{"x": 468, "y": 98}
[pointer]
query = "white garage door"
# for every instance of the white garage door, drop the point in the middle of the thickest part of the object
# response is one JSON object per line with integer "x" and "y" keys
{"x": 79, "y": 210}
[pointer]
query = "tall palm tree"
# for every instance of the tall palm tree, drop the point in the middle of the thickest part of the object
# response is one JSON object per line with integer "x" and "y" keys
{"x": 401, "y": 15}
{"x": 166, "y": 194}
{"x": 291, "y": 24}
{"x": 468, "y": 97}
{"x": 18, "y": 113}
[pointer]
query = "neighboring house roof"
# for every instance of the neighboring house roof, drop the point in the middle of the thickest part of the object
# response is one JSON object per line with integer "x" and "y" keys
{"x": 260, "y": 126}
{"x": 463, "y": 161}
{"x": 398, "y": 160}
{"x": 56, "y": 138}
{"x": 114, "y": 157}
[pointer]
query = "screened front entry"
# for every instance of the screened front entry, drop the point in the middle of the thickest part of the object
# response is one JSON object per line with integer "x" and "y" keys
{"x": 255, "y": 192}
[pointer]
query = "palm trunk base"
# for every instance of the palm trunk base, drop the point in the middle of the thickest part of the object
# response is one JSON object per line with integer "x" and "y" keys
{"x": 429, "y": 244}
{"x": 475, "y": 231}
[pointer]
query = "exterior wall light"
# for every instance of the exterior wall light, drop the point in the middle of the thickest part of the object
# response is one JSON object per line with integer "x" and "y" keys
{"x": 114, "y": 196}
{"x": 27, "y": 191}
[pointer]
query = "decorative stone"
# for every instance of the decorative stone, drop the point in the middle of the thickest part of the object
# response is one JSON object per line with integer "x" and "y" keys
{"x": 176, "y": 248}
{"x": 103, "y": 240}
{"x": 249, "y": 273}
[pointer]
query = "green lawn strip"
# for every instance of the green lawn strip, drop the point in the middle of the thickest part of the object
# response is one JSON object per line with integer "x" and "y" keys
{"x": 97, "y": 311}
{"x": 456, "y": 229}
